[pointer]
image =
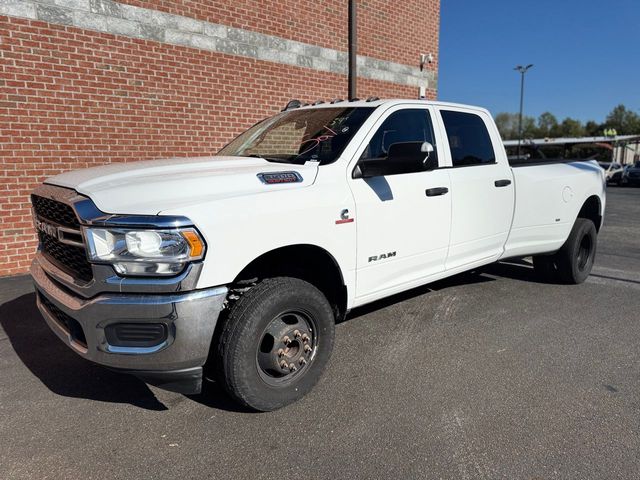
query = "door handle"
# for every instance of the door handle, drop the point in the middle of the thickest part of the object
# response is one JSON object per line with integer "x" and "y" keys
{"x": 502, "y": 183}
{"x": 434, "y": 192}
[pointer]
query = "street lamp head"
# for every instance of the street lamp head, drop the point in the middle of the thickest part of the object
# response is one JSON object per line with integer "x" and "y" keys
{"x": 522, "y": 69}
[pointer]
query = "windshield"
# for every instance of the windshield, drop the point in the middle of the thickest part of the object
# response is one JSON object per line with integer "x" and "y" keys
{"x": 298, "y": 136}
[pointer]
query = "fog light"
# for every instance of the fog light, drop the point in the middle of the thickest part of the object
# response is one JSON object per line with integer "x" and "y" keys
{"x": 136, "y": 334}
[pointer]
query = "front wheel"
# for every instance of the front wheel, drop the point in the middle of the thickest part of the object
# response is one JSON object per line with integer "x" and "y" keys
{"x": 275, "y": 343}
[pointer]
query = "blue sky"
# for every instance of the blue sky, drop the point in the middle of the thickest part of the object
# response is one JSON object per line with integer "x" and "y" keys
{"x": 586, "y": 55}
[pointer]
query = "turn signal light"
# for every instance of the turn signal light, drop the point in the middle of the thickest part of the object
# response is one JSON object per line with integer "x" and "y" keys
{"x": 197, "y": 247}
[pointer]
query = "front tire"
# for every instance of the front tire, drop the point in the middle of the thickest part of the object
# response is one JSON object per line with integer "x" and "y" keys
{"x": 572, "y": 264}
{"x": 275, "y": 343}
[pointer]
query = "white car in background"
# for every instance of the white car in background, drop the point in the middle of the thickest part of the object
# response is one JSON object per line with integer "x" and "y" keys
{"x": 613, "y": 171}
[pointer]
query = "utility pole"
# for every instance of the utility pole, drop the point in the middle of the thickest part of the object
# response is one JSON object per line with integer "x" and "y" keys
{"x": 353, "y": 44}
{"x": 522, "y": 70}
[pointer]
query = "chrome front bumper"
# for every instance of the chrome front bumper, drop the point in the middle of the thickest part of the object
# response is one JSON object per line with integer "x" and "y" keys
{"x": 176, "y": 363}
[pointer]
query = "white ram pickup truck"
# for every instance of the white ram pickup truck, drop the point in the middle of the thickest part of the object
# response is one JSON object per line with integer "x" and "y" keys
{"x": 240, "y": 264}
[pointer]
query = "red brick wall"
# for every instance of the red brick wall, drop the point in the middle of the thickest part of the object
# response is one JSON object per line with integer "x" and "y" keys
{"x": 398, "y": 31}
{"x": 71, "y": 98}
{"x": 322, "y": 23}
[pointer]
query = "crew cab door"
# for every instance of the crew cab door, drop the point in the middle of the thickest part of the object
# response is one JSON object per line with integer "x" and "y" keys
{"x": 482, "y": 189}
{"x": 403, "y": 210}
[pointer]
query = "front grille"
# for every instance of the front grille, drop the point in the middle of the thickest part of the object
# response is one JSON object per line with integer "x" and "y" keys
{"x": 55, "y": 211}
{"x": 70, "y": 258}
{"x": 70, "y": 325}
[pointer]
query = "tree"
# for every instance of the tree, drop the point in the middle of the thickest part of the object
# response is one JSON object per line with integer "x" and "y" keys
{"x": 547, "y": 125}
{"x": 593, "y": 129}
{"x": 571, "y": 127}
{"x": 529, "y": 128}
{"x": 620, "y": 119}
{"x": 507, "y": 125}
{"x": 623, "y": 120}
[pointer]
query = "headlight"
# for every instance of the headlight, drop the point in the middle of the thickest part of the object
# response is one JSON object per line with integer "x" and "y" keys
{"x": 144, "y": 252}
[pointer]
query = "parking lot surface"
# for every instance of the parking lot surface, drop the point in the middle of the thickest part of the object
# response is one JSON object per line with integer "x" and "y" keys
{"x": 489, "y": 374}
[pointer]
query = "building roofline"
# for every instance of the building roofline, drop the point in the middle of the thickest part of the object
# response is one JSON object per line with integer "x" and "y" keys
{"x": 571, "y": 140}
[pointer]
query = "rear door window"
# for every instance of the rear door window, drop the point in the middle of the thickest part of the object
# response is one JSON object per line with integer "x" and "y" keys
{"x": 469, "y": 139}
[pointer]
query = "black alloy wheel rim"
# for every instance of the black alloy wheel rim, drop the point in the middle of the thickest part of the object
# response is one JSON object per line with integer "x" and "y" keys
{"x": 584, "y": 252}
{"x": 287, "y": 347}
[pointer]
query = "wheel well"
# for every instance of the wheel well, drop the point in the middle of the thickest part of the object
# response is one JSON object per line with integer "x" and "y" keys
{"x": 591, "y": 210}
{"x": 306, "y": 262}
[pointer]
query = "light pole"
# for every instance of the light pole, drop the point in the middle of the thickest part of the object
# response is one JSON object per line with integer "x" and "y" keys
{"x": 353, "y": 47}
{"x": 522, "y": 70}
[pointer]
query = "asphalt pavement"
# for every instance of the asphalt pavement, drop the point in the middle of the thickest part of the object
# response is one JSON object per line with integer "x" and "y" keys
{"x": 490, "y": 374}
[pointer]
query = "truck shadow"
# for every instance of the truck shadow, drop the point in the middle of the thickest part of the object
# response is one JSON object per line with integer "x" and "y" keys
{"x": 60, "y": 369}
{"x": 214, "y": 396}
{"x": 515, "y": 269}
{"x": 66, "y": 374}
{"x": 466, "y": 278}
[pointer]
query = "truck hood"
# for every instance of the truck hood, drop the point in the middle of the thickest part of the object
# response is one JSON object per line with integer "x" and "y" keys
{"x": 149, "y": 187}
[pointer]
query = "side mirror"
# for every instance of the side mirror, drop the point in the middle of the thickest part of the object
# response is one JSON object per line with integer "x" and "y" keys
{"x": 403, "y": 157}
{"x": 427, "y": 148}
{"x": 413, "y": 156}
{"x": 371, "y": 167}
{"x": 430, "y": 160}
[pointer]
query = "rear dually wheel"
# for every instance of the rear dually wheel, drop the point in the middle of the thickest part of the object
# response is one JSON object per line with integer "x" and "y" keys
{"x": 572, "y": 264}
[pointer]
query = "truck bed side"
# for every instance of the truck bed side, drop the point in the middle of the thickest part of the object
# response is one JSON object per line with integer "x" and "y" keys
{"x": 548, "y": 198}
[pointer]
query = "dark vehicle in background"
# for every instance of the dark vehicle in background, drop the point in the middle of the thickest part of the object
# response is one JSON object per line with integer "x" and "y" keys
{"x": 631, "y": 175}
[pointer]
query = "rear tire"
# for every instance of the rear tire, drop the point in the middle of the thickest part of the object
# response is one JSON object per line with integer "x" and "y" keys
{"x": 275, "y": 343}
{"x": 572, "y": 264}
